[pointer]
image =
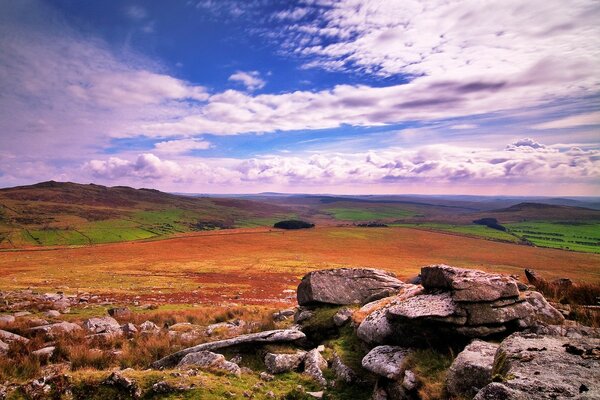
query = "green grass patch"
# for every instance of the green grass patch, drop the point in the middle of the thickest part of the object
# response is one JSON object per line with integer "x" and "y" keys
{"x": 368, "y": 214}
{"x": 430, "y": 367}
{"x": 576, "y": 236}
{"x": 469, "y": 230}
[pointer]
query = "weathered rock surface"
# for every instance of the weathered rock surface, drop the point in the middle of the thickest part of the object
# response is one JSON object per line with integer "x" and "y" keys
{"x": 119, "y": 312}
{"x": 275, "y": 336}
{"x": 6, "y": 319}
{"x": 12, "y": 337}
{"x": 471, "y": 369}
{"x": 386, "y": 361}
{"x": 3, "y": 348}
{"x": 468, "y": 284}
{"x": 543, "y": 311}
{"x": 102, "y": 325}
{"x": 280, "y": 363}
{"x": 314, "y": 364}
{"x": 342, "y": 317}
{"x": 345, "y": 286}
{"x": 425, "y": 306}
{"x": 207, "y": 359}
{"x": 45, "y": 352}
{"x": 149, "y": 327}
{"x": 52, "y": 314}
{"x": 546, "y": 367}
{"x": 117, "y": 379}
{"x": 57, "y": 328}
{"x": 342, "y": 372}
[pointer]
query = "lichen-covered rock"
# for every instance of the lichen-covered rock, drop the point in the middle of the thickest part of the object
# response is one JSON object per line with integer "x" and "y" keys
{"x": 58, "y": 328}
{"x": 6, "y": 319}
{"x": 386, "y": 361}
{"x": 467, "y": 284}
{"x": 208, "y": 359}
{"x": 118, "y": 380}
{"x": 471, "y": 369}
{"x": 542, "y": 310}
{"x": 498, "y": 391}
{"x": 149, "y": 327}
{"x": 280, "y": 363}
{"x": 342, "y": 372}
{"x": 490, "y": 313}
{"x": 314, "y": 364}
{"x": 274, "y": 336}
{"x": 12, "y": 337}
{"x": 432, "y": 306}
{"x": 345, "y": 286}
{"x": 3, "y": 348}
{"x": 546, "y": 367}
{"x": 102, "y": 325}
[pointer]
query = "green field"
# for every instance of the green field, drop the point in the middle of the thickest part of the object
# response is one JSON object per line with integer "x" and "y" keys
{"x": 368, "y": 214}
{"x": 577, "y": 236}
{"x": 470, "y": 230}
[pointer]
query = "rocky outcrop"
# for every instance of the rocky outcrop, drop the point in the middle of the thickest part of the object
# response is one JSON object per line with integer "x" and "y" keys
{"x": 468, "y": 284}
{"x": 345, "y": 286}
{"x": 207, "y": 359}
{"x": 471, "y": 369}
{"x": 275, "y": 336}
{"x": 280, "y": 363}
{"x": 545, "y": 367}
{"x": 342, "y": 372}
{"x": 456, "y": 302}
{"x": 386, "y": 361}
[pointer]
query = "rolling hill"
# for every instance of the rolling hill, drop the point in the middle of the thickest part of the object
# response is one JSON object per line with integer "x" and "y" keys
{"x": 64, "y": 213}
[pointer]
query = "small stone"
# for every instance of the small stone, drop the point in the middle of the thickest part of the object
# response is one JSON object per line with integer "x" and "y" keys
{"x": 265, "y": 376}
{"x": 342, "y": 317}
{"x": 386, "y": 361}
{"x": 279, "y": 363}
{"x": 52, "y": 314}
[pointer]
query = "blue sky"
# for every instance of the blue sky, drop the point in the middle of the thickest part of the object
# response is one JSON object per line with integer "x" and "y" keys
{"x": 310, "y": 96}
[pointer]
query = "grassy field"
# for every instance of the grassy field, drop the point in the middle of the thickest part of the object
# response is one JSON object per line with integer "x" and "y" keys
{"x": 368, "y": 213}
{"x": 468, "y": 230}
{"x": 258, "y": 266}
{"x": 577, "y": 236}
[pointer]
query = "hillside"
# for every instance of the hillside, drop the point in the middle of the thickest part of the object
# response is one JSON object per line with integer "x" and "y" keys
{"x": 64, "y": 213}
{"x": 538, "y": 211}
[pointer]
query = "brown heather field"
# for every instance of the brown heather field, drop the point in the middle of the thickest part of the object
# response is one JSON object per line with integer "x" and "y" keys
{"x": 256, "y": 266}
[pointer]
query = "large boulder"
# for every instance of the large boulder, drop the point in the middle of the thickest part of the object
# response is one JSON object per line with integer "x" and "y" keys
{"x": 386, "y": 361}
{"x": 58, "y": 328}
{"x": 545, "y": 367}
{"x": 274, "y": 336}
{"x": 280, "y": 363}
{"x": 207, "y": 359}
{"x": 471, "y": 369}
{"x": 346, "y": 286}
{"x": 469, "y": 284}
{"x": 437, "y": 307}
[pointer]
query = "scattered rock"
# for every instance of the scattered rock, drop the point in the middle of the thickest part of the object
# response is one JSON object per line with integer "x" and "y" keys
{"x": 303, "y": 314}
{"x": 129, "y": 329}
{"x": 386, "y": 361}
{"x": 207, "y": 359}
{"x": 57, "y": 328}
{"x": 6, "y": 319}
{"x": 44, "y": 353}
{"x": 21, "y": 314}
{"x": 346, "y": 286}
{"x": 316, "y": 395}
{"x": 12, "y": 337}
{"x": 468, "y": 284}
{"x": 264, "y": 376}
{"x": 409, "y": 382}
{"x": 274, "y": 336}
{"x": 119, "y": 312}
{"x": 52, "y": 314}
{"x": 3, "y": 348}
{"x": 117, "y": 379}
{"x": 102, "y": 325}
{"x": 342, "y": 317}
{"x": 279, "y": 363}
{"x": 471, "y": 369}
{"x": 314, "y": 364}
{"x": 342, "y": 371}
{"x": 149, "y": 327}
{"x": 283, "y": 315}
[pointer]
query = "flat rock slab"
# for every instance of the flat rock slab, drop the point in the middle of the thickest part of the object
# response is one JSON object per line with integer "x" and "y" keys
{"x": 274, "y": 336}
{"x": 467, "y": 284}
{"x": 546, "y": 367}
{"x": 386, "y": 361}
{"x": 471, "y": 369}
{"x": 345, "y": 286}
{"x": 425, "y": 305}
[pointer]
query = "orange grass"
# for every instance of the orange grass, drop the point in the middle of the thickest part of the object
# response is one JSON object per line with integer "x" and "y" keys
{"x": 255, "y": 266}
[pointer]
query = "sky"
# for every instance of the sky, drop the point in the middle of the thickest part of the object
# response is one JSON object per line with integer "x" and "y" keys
{"x": 310, "y": 96}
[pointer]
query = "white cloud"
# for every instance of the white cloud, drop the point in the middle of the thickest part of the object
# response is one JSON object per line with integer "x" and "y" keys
{"x": 145, "y": 166}
{"x": 250, "y": 79}
{"x": 463, "y": 126}
{"x": 136, "y": 12}
{"x": 573, "y": 121}
{"x": 293, "y": 15}
{"x": 181, "y": 146}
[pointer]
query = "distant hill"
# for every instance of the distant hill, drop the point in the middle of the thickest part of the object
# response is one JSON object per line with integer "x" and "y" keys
{"x": 528, "y": 211}
{"x": 65, "y": 213}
